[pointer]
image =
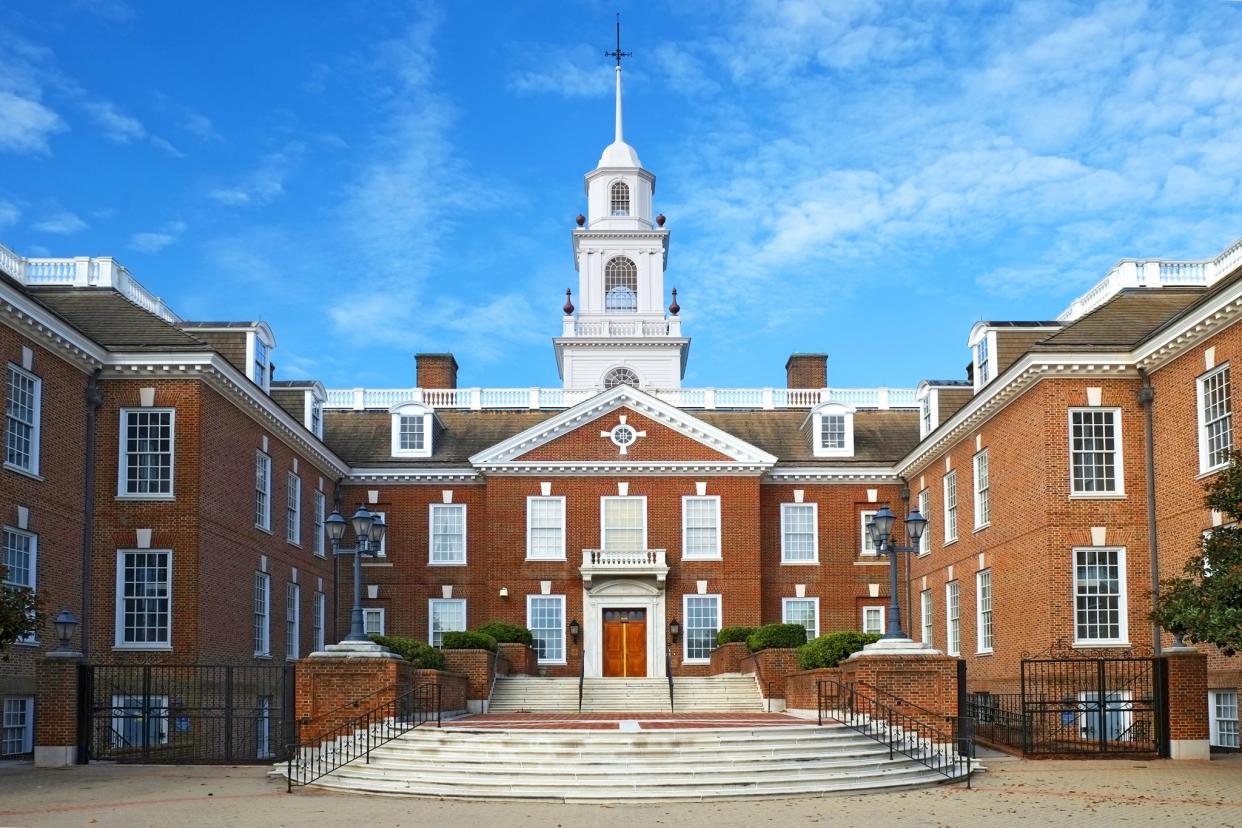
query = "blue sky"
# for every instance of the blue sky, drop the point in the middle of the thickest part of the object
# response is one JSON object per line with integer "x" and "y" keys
{"x": 859, "y": 177}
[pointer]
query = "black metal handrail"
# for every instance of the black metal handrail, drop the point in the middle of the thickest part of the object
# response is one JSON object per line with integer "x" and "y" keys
{"x": 356, "y": 738}
{"x": 668, "y": 671}
{"x": 947, "y": 753}
{"x": 581, "y": 679}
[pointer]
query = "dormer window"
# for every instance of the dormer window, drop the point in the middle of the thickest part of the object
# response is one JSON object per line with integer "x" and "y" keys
{"x": 928, "y": 419}
{"x": 833, "y": 430}
{"x": 984, "y": 360}
{"x": 620, "y": 285}
{"x": 260, "y": 361}
{"x": 412, "y": 430}
{"x": 317, "y": 419}
{"x": 619, "y": 195}
{"x": 259, "y": 346}
{"x": 982, "y": 344}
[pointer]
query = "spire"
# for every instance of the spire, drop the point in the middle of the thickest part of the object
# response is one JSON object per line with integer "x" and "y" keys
{"x": 620, "y": 133}
{"x": 619, "y": 153}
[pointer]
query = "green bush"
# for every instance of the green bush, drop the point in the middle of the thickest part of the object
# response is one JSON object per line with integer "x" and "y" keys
{"x": 831, "y": 649}
{"x": 508, "y": 633}
{"x": 770, "y": 636}
{"x": 469, "y": 641}
{"x": 729, "y": 635}
{"x": 421, "y": 655}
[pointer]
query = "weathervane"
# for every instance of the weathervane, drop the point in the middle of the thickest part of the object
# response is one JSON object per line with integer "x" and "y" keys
{"x": 618, "y": 54}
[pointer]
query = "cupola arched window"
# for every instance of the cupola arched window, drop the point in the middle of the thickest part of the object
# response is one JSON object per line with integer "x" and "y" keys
{"x": 620, "y": 376}
{"x": 620, "y": 197}
{"x": 620, "y": 285}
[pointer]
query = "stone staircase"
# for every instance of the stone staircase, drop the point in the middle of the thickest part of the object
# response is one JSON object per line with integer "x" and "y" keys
{"x": 615, "y": 766}
{"x": 714, "y": 694}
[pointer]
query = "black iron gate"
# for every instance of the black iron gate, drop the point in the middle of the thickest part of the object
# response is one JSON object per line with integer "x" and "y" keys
{"x": 1098, "y": 706}
{"x": 185, "y": 714}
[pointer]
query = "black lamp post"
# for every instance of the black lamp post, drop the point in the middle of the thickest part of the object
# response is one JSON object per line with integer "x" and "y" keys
{"x": 879, "y": 529}
{"x": 66, "y": 622}
{"x": 369, "y": 533}
{"x": 575, "y": 629}
{"x": 674, "y": 630}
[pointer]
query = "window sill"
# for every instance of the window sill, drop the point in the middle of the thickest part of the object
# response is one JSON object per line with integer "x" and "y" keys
{"x": 1097, "y": 496}
{"x": 875, "y": 562}
{"x": 319, "y": 555}
{"x": 139, "y": 648}
{"x": 696, "y": 661}
{"x": 266, "y": 530}
{"x": 380, "y": 564}
{"x": 561, "y": 559}
{"x": 983, "y": 652}
{"x": 922, "y": 554}
{"x": 1203, "y": 475}
{"x": 694, "y": 558}
{"x": 148, "y": 498}
{"x": 981, "y": 528}
{"x": 446, "y": 563}
{"x": 543, "y": 663}
{"x": 949, "y": 542}
{"x": 800, "y": 563}
{"x": 262, "y": 656}
{"x": 295, "y": 544}
{"x": 1094, "y": 645}
{"x": 24, "y": 472}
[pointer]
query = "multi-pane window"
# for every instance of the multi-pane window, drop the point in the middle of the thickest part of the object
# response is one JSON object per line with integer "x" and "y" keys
{"x": 1095, "y": 451}
{"x": 868, "y": 544}
{"x": 262, "y": 491}
{"x": 984, "y": 360}
{"x": 383, "y": 544}
{"x": 873, "y": 620}
{"x": 925, "y": 416}
{"x": 293, "y": 510}
{"x": 317, "y": 419}
{"x": 925, "y": 615}
{"x": 447, "y": 615}
{"x": 411, "y": 432}
{"x": 143, "y": 598}
{"x": 293, "y": 621}
{"x": 832, "y": 431}
{"x": 1223, "y": 718}
{"x": 139, "y": 720}
{"x": 20, "y": 564}
{"x": 448, "y": 533}
{"x": 262, "y": 614}
{"x": 950, "y": 507}
{"x": 983, "y": 506}
{"x": 321, "y": 506}
{"x": 620, "y": 376}
{"x": 701, "y": 527}
{"x": 21, "y": 414}
{"x": 146, "y": 468}
{"x": 799, "y": 535}
{"x": 983, "y": 610}
{"x": 1215, "y": 419}
{"x": 373, "y": 620}
{"x": 17, "y": 724}
{"x": 924, "y": 510}
{"x": 620, "y": 284}
{"x": 953, "y": 618}
{"x": 545, "y": 617}
{"x": 619, "y": 196}
{"x": 1099, "y": 595}
{"x": 702, "y": 614}
{"x": 545, "y": 528}
{"x": 317, "y": 618}
{"x": 804, "y": 611}
{"x": 625, "y": 523}
{"x": 260, "y": 360}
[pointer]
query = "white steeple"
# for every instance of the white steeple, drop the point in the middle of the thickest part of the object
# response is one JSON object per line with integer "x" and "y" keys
{"x": 619, "y": 153}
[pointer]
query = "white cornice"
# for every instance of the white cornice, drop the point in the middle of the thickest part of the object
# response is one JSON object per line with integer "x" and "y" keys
{"x": 562, "y": 469}
{"x": 1206, "y": 321}
{"x": 830, "y": 474}
{"x": 413, "y": 476}
{"x": 50, "y": 330}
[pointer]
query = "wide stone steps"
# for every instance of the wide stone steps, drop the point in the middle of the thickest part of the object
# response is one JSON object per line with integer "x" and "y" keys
{"x": 645, "y": 695}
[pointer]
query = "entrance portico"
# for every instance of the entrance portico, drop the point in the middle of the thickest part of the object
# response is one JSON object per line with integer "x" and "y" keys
{"x": 627, "y": 601}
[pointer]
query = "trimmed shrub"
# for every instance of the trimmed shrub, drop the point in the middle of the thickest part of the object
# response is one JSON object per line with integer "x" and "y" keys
{"x": 730, "y": 635}
{"x": 469, "y": 641}
{"x": 770, "y": 636}
{"x": 423, "y": 656}
{"x": 508, "y": 633}
{"x": 831, "y": 649}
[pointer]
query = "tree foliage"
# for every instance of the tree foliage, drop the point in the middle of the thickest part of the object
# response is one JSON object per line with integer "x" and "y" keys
{"x": 1204, "y": 604}
{"x": 21, "y": 614}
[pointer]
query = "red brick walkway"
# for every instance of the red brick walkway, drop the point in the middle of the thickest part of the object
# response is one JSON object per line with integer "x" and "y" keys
{"x": 612, "y": 721}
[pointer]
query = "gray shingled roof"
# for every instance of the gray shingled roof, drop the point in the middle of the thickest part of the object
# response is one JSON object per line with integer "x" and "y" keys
{"x": 1123, "y": 321}
{"x": 113, "y": 321}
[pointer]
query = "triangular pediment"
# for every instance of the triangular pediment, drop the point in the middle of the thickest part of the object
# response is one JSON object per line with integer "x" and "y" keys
{"x": 624, "y": 426}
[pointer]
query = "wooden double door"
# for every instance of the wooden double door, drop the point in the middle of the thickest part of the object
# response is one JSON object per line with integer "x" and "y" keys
{"x": 625, "y": 642}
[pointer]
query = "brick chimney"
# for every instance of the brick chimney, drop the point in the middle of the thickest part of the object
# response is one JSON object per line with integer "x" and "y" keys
{"x": 807, "y": 371}
{"x": 436, "y": 370}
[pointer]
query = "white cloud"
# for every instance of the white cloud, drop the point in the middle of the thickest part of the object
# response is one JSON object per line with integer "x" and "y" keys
{"x": 9, "y": 214}
{"x": 201, "y": 126}
{"x": 265, "y": 184}
{"x": 156, "y": 240}
{"x": 62, "y": 223}
{"x": 577, "y": 72}
{"x": 116, "y": 125}
{"x": 26, "y": 124}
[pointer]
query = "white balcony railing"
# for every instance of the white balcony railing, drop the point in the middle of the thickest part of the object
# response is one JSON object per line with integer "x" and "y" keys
{"x": 622, "y": 328}
{"x": 628, "y": 562}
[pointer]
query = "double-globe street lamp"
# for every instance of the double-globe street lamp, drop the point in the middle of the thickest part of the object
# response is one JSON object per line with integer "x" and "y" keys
{"x": 879, "y": 530}
{"x": 369, "y": 531}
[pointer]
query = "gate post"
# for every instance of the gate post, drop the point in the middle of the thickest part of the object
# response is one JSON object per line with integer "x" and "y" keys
{"x": 1186, "y": 671}
{"x": 56, "y": 725}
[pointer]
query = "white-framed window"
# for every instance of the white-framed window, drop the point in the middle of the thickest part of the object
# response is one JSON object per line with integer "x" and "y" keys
{"x": 799, "y": 533}
{"x": 623, "y": 523}
{"x": 1100, "y": 595}
{"x": 448, "y": 534}
{"x": 138, "y": 721}
{"x": 446, "y": 615}
{"x": 545, "y": 528}
{"x": 259, "y": 370}
{"x": 866, "y": 544}
{"x": 143, "y": 599}
{"x": 318, "y": 616}
{"x": 146, "y": 453}
{"x": 22, "y": 416}
{"x": 925, "y": 616}
{"x": 316, "y": 417}
{"x": 983, "y": 359}
{"x": 383, "y": 544}
{"x": 702, "y": 614}
{"x": 17, "y": 726}
{"x": 621, "y": 376}
{"x": 620, "y": 285}
{"x": 953, "y": 618}
{"x": 412, "y": 433}
{"x": 834, "y": 430}
{"x": 983, "y": 610}
{"x": 321, "y": 508}
{"x": 983, "y": 506}
{"x": 925, "y": 511}
{"x": 21, "y": 564}
{"x": 262, "y": 491}
{"x": 700, "y": 527}
{"x": 1095, "y": 452}
{"x": 262, "y": 614}
{"x": 1215, "y": 419}
{"x": 804, "y": 611}
{"x": 950, "y": 506}
{"x": 1223, "y": 718}
{"x": 413, "y": 428}
{"x": 926, "y": 423}
{"x": 293, "y": 621}
{"x": 545, "y": 617}
{"x": 293, "y": 510}
{"x": 873, "y": 620}
{"x": 373, "y": 620}
{"x": 619, "y": 196}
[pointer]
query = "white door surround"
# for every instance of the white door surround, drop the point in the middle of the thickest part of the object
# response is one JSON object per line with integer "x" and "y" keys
{"x": 623, "y": 594}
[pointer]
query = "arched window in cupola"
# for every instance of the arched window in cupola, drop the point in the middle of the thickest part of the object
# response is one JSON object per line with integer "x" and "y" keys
{"x": 620, "y": 285}
{"x": 620, "y": 376}
{"x": 620, "y": 197}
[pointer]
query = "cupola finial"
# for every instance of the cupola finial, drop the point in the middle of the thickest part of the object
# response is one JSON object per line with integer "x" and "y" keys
{"x": 618, "y": 54}
{"x": 674, "y": 308}
{"x": 569, "y": 302}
